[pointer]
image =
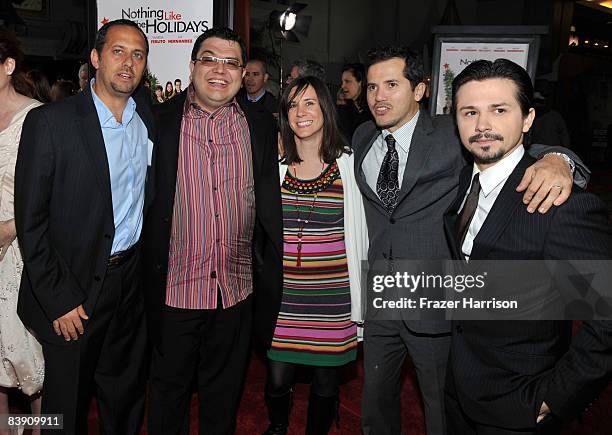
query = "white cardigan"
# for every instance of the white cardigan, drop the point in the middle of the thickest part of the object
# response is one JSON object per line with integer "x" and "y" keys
{"x": 355, "y": 230}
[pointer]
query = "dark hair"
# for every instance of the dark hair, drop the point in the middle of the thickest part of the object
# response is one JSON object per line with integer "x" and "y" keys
{"x": 40, "y": 84}
{"x": 62, "y": 89}
{"x": 500, "y": 69}
{"x": 10, "y": 47}
{"x": 307, "y": 67}
{"x": 101, "y": 35}
{"x": 178, "y": 80}
{"x": 167, "y": 94}
{"x": 222, "y": 33}
{"x": 359, "y": 72}
{"x": 413, "y": 68}
{"x": 333, "y": 144}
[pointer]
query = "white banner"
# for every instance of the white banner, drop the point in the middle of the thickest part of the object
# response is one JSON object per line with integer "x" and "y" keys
{"x": 455, "y": 56}
{"x": 171, "y": 27}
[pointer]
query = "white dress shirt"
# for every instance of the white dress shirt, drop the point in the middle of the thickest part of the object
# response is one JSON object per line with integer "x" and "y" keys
{"x": 492, "y": 181}
{"x": 374, "y": 158}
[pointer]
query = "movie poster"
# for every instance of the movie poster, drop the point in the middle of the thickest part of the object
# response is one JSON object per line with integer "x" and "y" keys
{"x": 455, "y": 56}
{"x": 171, "y": 27}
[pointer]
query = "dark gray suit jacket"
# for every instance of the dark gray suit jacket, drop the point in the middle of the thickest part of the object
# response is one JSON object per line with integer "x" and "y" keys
{"x": 415, "y": 229}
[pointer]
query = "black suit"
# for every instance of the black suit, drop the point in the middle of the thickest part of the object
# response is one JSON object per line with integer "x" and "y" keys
{"x": 267, "y": 280}
{"x": 65, "y": 227}
{"x": 500, "y": 372}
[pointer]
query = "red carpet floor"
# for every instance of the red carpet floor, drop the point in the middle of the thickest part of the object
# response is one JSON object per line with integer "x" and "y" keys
{"x": 252, "y": 416}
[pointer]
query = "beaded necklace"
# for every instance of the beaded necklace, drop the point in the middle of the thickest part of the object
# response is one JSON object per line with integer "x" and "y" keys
{"x": 302, "y": 224}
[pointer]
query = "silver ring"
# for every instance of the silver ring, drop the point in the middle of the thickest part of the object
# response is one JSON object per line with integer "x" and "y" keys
{"x": 558, "y": 186}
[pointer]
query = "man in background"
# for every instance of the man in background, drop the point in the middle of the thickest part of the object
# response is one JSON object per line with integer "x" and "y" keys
{"x": 254, "y": 81}
{"x": 83, "y": 76}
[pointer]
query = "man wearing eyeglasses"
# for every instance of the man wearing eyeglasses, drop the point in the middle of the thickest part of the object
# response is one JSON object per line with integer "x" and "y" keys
{"x": 213, "y": 225}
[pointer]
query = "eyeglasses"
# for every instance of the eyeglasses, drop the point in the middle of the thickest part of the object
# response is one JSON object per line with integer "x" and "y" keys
{"x": 211, "y": 62}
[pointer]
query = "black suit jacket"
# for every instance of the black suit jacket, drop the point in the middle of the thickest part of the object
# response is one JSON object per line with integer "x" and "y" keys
{"x": 502, "y": 371}
{"x": 63, "y": 210}
{"x": 267, "y": 235}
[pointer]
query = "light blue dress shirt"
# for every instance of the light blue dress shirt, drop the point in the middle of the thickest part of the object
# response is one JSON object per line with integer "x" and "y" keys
{"x": 126, "y": 145}
{"x": 372, "y": 162}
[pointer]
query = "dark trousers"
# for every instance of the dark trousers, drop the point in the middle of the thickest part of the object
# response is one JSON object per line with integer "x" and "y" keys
{"x": 108, "y": 359}
{"x": 212, "y": 345}
{"x": 386, "y": 344}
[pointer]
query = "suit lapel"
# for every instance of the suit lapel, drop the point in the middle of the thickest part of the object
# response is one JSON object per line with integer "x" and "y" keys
{"x": 89, "y": 126}
{"x": 360, "y": 174}
{"x": 420, "y": 148}
{"x": 147, "y": 118}
{"x": 253, "y": 115}
{"x": 451, "y": 215}
{"x": 169, "y": 119}
{"x": 502, "y": 211}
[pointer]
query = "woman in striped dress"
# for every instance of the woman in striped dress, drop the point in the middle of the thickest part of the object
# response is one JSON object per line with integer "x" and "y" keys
{"x": 324, "y": 240}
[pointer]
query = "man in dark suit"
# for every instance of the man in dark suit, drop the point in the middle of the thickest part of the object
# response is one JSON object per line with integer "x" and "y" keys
{"x": 505, "y": 376}
{"x": 254, "y": 91}
{"x": 407, "y": 167}
{"x": 214, "y": 233}
{"x": 79, "y": 199}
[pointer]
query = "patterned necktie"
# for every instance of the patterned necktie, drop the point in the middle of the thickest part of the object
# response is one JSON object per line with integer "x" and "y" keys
{"x": 469, "y": 208}
{"x": 387, "y": 185}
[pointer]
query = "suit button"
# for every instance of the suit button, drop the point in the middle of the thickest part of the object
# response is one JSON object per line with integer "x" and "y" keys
{"x": 166, "y": 220}
{"x": 97, "y": 278}
{"x": 107, "y": 236}
{"x": 392, "y": 221}
{"x": 158, "y": 266}
{"x": 213, "y": 274}
{"x": 459, "y": 329}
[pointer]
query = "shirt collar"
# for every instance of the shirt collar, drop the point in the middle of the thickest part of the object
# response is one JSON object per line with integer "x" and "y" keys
{"x": 402, "y": 135}
{"x": 493, "y": 176}
{"x": 193, "y": 110}
{"x": 106, "y": 117}
{"x": 258, "y": 97}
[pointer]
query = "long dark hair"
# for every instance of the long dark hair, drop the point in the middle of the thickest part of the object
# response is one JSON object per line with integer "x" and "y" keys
{"x": 333, "y": 144}
{"x": 10, "y": 47}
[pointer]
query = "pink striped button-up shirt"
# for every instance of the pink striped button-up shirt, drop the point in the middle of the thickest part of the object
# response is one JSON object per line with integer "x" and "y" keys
{"x": 214, "y": 210}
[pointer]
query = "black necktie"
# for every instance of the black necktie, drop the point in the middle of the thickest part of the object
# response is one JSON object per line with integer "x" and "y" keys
{"x": 469, "y": 208}
{"x": 387, "y": 185}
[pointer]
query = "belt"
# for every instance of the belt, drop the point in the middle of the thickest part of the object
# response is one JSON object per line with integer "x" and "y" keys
{"x": 119, "y": 258}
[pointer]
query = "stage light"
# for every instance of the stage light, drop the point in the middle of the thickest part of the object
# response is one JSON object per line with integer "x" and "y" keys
{"x": 287, "y": 20}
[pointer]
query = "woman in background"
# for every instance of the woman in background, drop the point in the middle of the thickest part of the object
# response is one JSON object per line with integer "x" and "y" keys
{"x": 324, "y": 240}
{"x": 40, "y": 83}
{"x": 62, "y": 89}
{"x": 355, "y": 109}
{"x": 21, "y": 358}
{"x": 169, "y": 93}
{"x": 158, "y": 98}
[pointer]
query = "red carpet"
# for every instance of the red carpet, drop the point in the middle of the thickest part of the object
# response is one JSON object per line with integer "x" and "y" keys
{"x": 253, "y": 420}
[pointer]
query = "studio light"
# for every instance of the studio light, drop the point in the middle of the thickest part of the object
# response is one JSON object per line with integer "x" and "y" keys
{"x": 287, "y": 20}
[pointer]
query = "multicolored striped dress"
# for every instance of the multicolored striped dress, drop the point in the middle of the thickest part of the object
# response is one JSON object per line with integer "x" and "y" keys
{"x": 314, "y": 323}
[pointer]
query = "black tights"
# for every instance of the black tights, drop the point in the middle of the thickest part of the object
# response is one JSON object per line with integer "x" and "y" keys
{"x": 281, "y": 376}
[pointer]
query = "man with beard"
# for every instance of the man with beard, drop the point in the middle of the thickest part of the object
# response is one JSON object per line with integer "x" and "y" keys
{"x": 80, "y": 193}
{"x": 407, "y": 166}
{"x": 517, "y": 377}
{"x": 214, "y": 234}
